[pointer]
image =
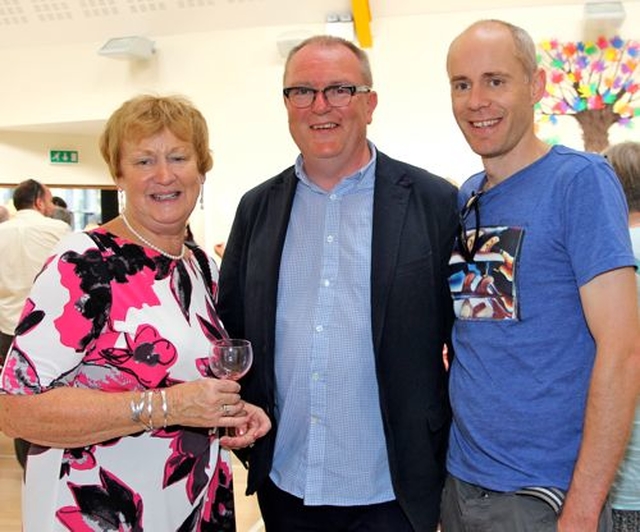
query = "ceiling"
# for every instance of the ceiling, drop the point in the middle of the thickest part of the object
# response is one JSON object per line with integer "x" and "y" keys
{"x": 49, "y": 22}
{"x": 28, "y": 23}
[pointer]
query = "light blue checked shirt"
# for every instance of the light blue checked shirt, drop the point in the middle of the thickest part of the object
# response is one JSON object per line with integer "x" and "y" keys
{"x": 330, "y": 446}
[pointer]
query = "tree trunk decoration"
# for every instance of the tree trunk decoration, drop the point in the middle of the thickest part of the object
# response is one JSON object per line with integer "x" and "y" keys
{"x": 595, "y": 82}
{"x": 595, "y": 124}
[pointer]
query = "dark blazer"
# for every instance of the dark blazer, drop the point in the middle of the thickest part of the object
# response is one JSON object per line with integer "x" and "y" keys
{"x": 414, "y": 223}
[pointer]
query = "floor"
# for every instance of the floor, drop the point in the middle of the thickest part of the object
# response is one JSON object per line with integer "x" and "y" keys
{"x": 248, "y": 515}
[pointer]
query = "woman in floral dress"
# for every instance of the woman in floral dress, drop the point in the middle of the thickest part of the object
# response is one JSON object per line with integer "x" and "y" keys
{"x": 107, "y": 375}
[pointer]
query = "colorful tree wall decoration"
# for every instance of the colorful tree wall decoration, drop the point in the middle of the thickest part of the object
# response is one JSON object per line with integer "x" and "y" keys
{"x": 596, "y": 82}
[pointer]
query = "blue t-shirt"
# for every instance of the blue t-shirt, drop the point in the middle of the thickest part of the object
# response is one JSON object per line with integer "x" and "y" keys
{"x": 523, "y": 350}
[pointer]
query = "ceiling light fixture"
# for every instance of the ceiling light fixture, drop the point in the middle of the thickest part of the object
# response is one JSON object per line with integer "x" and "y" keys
{"x": 134, "y": 47}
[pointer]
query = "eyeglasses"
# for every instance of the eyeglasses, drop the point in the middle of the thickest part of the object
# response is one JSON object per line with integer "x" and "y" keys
{"x": 473, "y": 204}
{"x": 334, "y": 95}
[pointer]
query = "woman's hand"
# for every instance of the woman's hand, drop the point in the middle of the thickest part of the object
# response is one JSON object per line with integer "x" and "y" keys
{"x": 256, "y": 424}
{"x": 206, "y": 403}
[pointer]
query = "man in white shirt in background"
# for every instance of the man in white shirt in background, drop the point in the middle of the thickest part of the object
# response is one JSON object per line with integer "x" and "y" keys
{"x": 26, "y": 241}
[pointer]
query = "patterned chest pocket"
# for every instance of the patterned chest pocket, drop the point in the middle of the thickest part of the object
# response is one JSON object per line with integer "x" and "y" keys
{"x": 485, "y": 288}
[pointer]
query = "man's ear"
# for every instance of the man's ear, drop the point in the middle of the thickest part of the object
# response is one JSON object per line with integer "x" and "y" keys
{"x": 39, "y": 205}
{"x": 538, "y": 85}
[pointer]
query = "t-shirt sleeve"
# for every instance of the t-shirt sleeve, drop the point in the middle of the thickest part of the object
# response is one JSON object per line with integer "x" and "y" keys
{"x": 597, "y": 234}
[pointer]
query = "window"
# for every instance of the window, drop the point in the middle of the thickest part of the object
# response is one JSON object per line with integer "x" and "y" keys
{"x": 90, "y": 206}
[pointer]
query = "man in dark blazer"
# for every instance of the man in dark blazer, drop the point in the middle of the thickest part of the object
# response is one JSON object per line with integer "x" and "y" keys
{"x": 366, "y": 350}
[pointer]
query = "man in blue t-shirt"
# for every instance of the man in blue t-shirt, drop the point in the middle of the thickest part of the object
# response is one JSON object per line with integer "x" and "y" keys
{"x": 545, "y": 372}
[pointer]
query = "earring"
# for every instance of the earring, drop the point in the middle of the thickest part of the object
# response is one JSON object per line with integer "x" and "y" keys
{"x": 121, "y": 200}
{"x": 202, "y": 196}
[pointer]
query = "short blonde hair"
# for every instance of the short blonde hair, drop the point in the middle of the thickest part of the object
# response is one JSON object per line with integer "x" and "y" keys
{"x": 147, "y": 115}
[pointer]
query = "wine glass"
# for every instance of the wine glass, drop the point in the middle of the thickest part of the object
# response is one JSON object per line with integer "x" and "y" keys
{"x": 230, "y": 358}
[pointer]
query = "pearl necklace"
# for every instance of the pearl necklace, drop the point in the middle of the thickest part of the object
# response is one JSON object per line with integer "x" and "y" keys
{"x": 149, "y": 244}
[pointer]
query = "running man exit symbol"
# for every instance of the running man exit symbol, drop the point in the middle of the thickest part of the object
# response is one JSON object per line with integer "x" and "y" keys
{"x": 63, "y": 156}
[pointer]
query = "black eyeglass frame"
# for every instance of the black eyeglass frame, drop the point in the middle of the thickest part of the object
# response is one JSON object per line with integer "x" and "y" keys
{"x": 472, "y": 204}
{"x": 351, "y": 89}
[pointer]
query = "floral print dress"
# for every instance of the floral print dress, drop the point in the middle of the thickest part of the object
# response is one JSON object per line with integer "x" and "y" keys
{"x": 108, "y": 314}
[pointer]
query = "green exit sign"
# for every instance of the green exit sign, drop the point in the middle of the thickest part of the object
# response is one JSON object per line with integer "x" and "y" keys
{"x": 63, "y": 156}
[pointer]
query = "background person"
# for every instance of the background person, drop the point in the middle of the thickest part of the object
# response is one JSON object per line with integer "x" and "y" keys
{"x": 545, "y": 373}
{"x": 4, "y": 214}
{"x": 59, "y": 202}
{"x": 62, "y": 212}
{"x": 108, "y": 373}
{"x": 625, "y": 491}
{"x": 25, "y": 243}
{"x": 335, "y": 269}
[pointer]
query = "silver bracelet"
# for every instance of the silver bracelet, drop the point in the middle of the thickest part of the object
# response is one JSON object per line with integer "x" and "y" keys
{"x": 165, "y": 408}
{"x": 136, "y": 409}
{"x": 150, "y": 410}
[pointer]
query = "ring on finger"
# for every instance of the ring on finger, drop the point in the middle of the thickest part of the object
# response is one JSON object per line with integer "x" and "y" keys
{"x": 226, "y": 410}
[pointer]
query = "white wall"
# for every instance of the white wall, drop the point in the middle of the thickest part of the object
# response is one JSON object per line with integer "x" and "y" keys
{"x": 26, "y": 155}
{"x": 234, "y": 77}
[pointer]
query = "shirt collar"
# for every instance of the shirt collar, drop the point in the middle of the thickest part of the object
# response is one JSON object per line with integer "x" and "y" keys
{"x": 362, "y": 178}
{"x": 29, "y": 213}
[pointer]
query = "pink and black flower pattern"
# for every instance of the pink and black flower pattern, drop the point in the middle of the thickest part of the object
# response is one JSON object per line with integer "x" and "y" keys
{"x": 105, "y": 328}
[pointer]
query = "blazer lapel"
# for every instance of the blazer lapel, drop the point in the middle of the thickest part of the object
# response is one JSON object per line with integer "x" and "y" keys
{"x": 272, "y": 228}
{"x": 391, "y": 199}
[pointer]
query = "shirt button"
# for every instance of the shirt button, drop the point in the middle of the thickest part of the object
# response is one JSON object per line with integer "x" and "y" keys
{"x": 330, "y": 239}
{"x": 326, "y": 282}
{"x": 315, "y": 376}
{"x": 333, "y": 197}
{"x": 319, "y": 328}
